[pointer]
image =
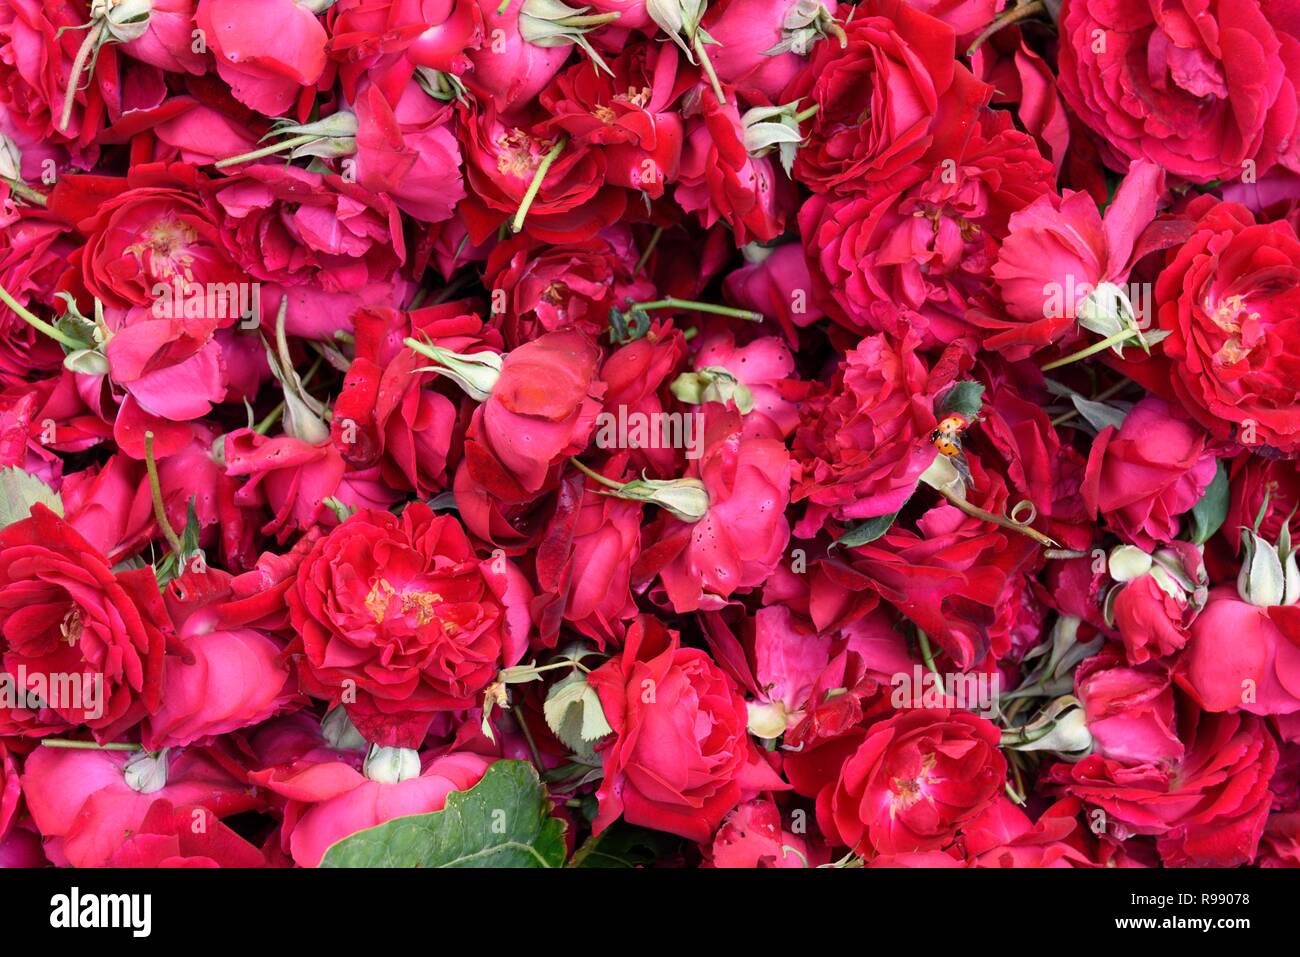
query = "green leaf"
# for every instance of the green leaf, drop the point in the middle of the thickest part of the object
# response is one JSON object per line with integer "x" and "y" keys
{"x": 574, "y": 714}
{"x": 867, "y": 531}
{"x": 965, "y": 398}
{"x": 1208, "y": 514}
{"x": 503, "y": 821}
{"x": 20, "y": 491}
{"x": 622, "y": 845}
{"x": 173, "y": 565}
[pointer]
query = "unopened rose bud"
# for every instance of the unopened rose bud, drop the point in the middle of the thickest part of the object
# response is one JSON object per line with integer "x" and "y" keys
{"x": 391, "y": 765}
{"x": 1266, "y": 577}
{"x": 686, "y": 499}
{"x": 146, "y": 773}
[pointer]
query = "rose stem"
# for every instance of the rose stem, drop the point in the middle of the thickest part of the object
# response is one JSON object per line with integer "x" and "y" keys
{"x": 707, "y": 64}
{"x": 926, "y": 654}
{"x": 542, "y": 169}
{"x": 1021, "y": 12}
{"x": 74, "y": 78}
{"x": 518, "y": 712}
{"x": 19, "y": 188}
{"x": 1093, "y": 349}
{"x": 649, "y": 248}
{"x": 596, "y": 476}
{"x": 976, "y": 512}
{"x": 39, "y": 324}
{"x": 89, "y": 745}
{"x": 505, "y": 5}
{"x": 155, "y": 489}
{"x": 806, "y": 114}
{"x": 673, "y": 303}
{"x": 291, "y": 143}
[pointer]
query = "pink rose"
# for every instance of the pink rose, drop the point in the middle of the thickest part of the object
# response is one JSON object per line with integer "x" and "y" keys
{"x": 1142, "y": 476}
{"x": 266, "y": 50}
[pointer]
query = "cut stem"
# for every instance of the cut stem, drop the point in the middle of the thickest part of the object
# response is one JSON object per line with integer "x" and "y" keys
{"x": 596, "y": 476}
{"x": 649, "y": 248}
{"x": 1101, "y": 346}
{"x": 927, "y": 655}
{"x": 74, "y": 78}
{"x": 292, "y": 142}
{"x": 40, "y": 325}
{"x": 976, "y": 512}
{"x": 155, "y": 490}
{"x": 707, "y": 66}
{"x": 542, "y": 169}
{"x": 674, "y": 303}
{"x": 89, "y": 745}
{"x": 1015, "y": 14}
{"x": 806, "y": 114}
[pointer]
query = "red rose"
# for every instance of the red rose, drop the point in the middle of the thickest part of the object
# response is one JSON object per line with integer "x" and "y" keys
{"x": 63, "y": 613}
{"x": 1198, "y": 87}
{"x": 397, "y": 618}
{"x": 553, "y": 287}
{"x": 913, "y": 782}
{"x": 171, "y": 836}
{"x": 1230, "y": 298}
{"x": 926, "y": 244}
{"x": 864, "y": 443}
{"x": 541, "y": 410}
{"x": 1241, "y": 655}
{"x": 1206, "y": 809}
{"x": 1142, "y": 476}
{"x": 266, "y": 50}
{"x": 895, "y": 97}
{"x": 680, "y": 749}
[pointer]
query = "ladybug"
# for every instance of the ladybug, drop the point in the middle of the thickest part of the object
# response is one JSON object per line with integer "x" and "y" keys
{"x": 947, "y": 436}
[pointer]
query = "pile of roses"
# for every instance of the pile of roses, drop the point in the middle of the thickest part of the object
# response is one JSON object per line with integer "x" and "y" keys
{"x": 805, "y": 433}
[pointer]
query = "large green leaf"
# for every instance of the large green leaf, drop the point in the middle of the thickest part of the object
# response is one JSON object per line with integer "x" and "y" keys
{"x": 503, "y": 821}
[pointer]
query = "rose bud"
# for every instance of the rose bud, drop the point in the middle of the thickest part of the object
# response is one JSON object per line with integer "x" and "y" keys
{"x": 680, "y": 757}
{"x": 1156, "y": 598}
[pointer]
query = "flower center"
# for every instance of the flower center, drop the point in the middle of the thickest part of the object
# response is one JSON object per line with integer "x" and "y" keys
{"x": 908, "y": 790}
{"x": 166, "y": 245}
{"x": 379, "y": 601}
{"x": 1229, "y": 316}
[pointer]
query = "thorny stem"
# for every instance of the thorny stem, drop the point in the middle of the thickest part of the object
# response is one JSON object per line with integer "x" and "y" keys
{"x": 542, "y": 169}
{"x": 1014, "y": 15}
{"x": 976, "y": 512}
{"x": 40, "y": 325}
{"x": 155, "y": 489}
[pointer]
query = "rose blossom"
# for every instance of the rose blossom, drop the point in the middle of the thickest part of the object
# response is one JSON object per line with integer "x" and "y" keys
{"x": 397, "y": 618}
{"x": 680, "y": 757}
